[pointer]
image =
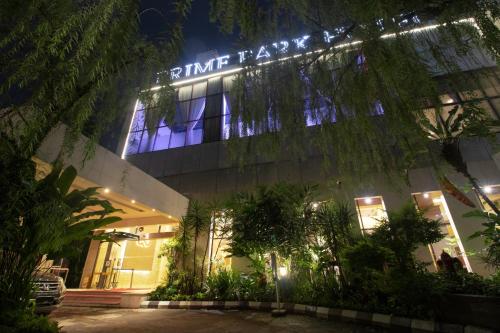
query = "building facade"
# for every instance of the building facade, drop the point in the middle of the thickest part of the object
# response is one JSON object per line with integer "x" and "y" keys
{"x": 191, "y": 156}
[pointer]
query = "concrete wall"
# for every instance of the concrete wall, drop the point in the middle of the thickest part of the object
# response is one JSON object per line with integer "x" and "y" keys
{"x": 109, "y": 170}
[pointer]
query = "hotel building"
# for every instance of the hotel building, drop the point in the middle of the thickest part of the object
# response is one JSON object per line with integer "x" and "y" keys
{"x": 189, "y": 158}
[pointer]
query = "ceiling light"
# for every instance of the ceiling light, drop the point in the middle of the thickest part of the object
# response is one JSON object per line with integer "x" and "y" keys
{"x": 368, "y": 201}
{"x": 106, "y": 190}
{"x": 436, "y": 201}
{"x": 132, "y": 201}
{"x": 426, "y": 195}
{"x": 154, "y": 210}
{"x": 488, "y": 189}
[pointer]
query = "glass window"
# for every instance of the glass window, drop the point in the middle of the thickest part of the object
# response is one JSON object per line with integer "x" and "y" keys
{"x": 162, "y": 138}
{"x": 133, "y": 143}
{"x": 493, "y": 193}
{"x": 147, "y": 142}
{"x": 178, "y": 136}
{"x": 184, "y": 93}
{"x": 371, "y": 210}
{"x": 433, "y": 206}
{"x": 139, "y": 119}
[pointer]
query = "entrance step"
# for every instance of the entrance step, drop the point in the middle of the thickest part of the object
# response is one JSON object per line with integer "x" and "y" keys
{"x": 114, "y": 298}
{"x": 92, "y": 298}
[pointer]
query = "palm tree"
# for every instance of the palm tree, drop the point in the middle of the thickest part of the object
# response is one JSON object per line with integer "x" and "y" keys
{"x": 197, "y": 220}
{"x": 471, "y": 122}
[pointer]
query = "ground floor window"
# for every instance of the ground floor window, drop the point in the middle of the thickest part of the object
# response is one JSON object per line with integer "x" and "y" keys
{"x": 132, "y": 263}
{"x": 371, "y": 210}
{"x": 493, "y": 193}
{"x": 433, "y": 205}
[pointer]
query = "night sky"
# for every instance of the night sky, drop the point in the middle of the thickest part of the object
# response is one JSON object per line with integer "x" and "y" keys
{"x": 200, "y": 35}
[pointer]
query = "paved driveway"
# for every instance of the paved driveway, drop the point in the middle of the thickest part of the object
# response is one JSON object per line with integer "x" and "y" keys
{"x": 78, "y": 319}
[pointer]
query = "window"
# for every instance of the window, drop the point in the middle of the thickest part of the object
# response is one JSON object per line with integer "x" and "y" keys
{"x": 371, "y": 210}
{"x": 433, "y": 206}
{"x": 493, "y": 193}
{"x": 203, "y": 114}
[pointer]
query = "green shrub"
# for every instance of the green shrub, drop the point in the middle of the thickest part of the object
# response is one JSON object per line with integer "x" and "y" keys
{"x": 224, "y": 285}
{"x": 163, "y": 293}
{"x": 26, "y": 322}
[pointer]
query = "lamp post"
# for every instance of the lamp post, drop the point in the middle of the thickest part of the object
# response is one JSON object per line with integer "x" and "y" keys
{"x": 278, "y": 311}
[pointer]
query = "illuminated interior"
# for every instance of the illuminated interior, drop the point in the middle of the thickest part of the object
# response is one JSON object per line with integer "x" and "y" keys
{"x": 493, "y": 193}
{"x": 371, "y": 210}
{"x": 433, "y": 205}
{"x": 132, "y": 263}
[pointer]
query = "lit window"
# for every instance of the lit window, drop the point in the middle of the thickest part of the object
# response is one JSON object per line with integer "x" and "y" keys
{"x": 493, "y": 193}
{"x": 433, "y": 206}
{"x": 371, "y": 210}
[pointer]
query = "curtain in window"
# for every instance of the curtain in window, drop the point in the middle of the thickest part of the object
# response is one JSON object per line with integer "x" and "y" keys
{"x": 194, "y": 127}
{"x": 194, "y": 133}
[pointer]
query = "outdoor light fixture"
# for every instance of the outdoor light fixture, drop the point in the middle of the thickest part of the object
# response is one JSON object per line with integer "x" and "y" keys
{"x": 488, "y": 189}
{"x": 426, "y": 195}
{"x": 283, "y": 271}
{"x": 106, "y": 190}
{"x": 368, "y": 201}
{"x": 315, "y": 205}
{"x": 132, "y": 201}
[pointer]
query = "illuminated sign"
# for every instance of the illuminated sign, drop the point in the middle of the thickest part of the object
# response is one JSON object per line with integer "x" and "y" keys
{"x": 276, "y": 49}
{"x": 262, "y": 53}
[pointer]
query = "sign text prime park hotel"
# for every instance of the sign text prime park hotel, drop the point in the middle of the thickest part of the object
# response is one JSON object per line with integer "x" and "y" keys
{"x": 266, "y": 52}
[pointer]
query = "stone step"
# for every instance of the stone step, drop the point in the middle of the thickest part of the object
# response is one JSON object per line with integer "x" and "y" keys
{"x": 92, "y": 298}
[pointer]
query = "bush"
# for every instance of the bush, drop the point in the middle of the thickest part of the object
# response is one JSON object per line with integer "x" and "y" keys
{"x": 470, "y": 283}
{"x": 26, "y": 322}
{"x": 163, "y": 293}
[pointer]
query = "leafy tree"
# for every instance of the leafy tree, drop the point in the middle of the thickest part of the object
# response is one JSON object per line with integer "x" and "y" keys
{"x": 403, "y": 231}
{"x": 491, "y": 236}
{"x": 72, "y": 61}
{"x": 39, "y": 217}
{"x": 373, "y": 62}
{"x": 198, "y": 219}
{"x": 273, "y": 219}
{"x": 334, "y": 222}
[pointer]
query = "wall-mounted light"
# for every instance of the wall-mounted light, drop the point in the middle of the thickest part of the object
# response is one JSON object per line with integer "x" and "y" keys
{"x": 154, "y": 210}
{"x": 282, "y": 271}
{"x": 106, "y": 190}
